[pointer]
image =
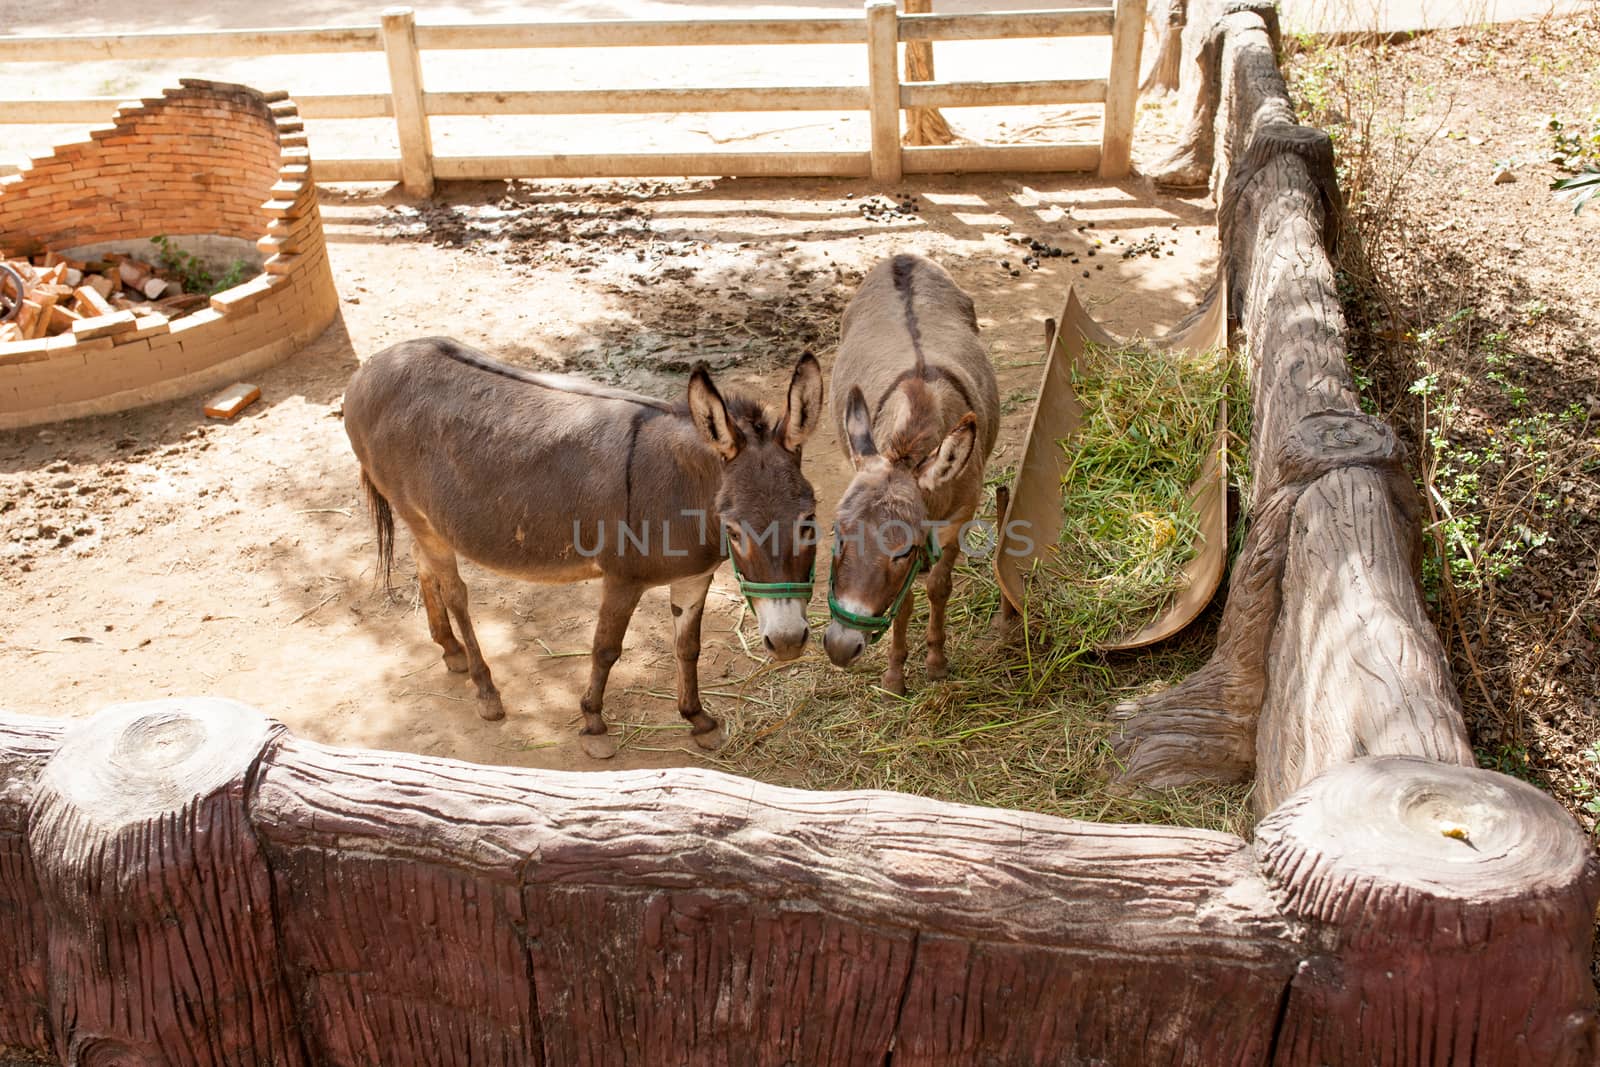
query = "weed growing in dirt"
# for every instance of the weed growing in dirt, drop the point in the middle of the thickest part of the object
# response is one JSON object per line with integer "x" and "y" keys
{"x": 1589, "y": 790}
{"x": 1474, "y": 375}
{"x": 1575, "y": 148}
{"x": 192, "y": 273}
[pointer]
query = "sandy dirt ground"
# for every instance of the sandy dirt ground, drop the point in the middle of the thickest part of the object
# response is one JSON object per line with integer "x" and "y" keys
{"x": 159, "y": 553}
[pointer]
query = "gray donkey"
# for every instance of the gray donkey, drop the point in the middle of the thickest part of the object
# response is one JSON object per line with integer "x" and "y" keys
{"x": 555, "y": 479}
{"x": 918, "y": 409}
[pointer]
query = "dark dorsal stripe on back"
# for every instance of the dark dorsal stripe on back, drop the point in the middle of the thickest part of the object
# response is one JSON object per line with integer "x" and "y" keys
{"x": 462, "y": 354}
{"x": 903, "y": 267}
{"x": 925, "y": 374}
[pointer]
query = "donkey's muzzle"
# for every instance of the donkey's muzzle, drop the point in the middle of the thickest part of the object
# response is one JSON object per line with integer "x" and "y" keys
{"x": 786, "y": 651}
{"x": 784, "y": 627}
{"x": 843, "y": 645}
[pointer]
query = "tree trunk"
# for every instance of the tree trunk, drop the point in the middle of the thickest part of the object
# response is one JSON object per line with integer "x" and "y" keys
{"x": 924, "y": 125}
{"x": 1169, "y": 18}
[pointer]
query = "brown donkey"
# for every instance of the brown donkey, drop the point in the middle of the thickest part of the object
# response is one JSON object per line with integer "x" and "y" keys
{"x": 554, "y": 479}
{"x": 915, "y": 398}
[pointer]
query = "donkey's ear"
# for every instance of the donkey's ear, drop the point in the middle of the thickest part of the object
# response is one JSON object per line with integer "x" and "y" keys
{"x": 805, "y": 402}
{"x": 858, "y": 428}
{"x": 710, "y": 414}
{"x": 951, "y": 456}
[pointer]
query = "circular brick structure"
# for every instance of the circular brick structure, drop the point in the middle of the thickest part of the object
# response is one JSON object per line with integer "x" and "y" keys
{"x": 207, "y": 162}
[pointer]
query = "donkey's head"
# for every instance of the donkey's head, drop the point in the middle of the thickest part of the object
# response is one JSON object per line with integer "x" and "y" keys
{"x": 882, "y": 538}
{"x": 765, "y": 505}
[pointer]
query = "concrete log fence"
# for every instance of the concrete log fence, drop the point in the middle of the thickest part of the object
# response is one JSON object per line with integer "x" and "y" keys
{"x": 1325, "y": 652}
{"x": 182, "y": 882}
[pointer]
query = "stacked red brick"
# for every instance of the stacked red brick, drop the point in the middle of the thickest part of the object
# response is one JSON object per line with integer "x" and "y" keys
{"x": 203, "y": 159}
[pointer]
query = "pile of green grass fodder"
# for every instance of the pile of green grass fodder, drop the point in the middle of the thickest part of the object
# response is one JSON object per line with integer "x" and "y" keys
{"x": 1025, "y": 723}
{"x": 1129, "y": 526}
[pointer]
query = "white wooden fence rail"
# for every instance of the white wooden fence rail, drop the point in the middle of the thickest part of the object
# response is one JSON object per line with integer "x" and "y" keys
{"x": 883, "y": 97}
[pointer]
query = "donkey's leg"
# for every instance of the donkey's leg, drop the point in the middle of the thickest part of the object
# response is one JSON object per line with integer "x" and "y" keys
{"x": 688, "y": 608}
{"x": 440, "y": 561}
{"x": 938, "y": 596}
{"x": 618, "y": 598}
{"x": 455, "y": 657}
{"x": 894, "y": 679}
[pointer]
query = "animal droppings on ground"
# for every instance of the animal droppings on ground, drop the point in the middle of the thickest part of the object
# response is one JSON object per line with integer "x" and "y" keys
{"x": 888, "y": 209}
{"x": 1153, "y": 245}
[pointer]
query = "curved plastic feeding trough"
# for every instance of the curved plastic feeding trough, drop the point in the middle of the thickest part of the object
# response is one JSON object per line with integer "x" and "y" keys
{"x": 221, "y": 171}
{"x": 1036, "y": 494}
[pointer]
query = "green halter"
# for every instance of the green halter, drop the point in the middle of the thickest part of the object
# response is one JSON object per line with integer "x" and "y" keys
{"x": 773, "y": 590}
{"x": 925, "y": 556}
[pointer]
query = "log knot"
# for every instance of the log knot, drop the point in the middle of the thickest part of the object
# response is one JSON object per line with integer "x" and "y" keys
{"x": 1328, "y": 440}
{"x": 1273, "y": 137}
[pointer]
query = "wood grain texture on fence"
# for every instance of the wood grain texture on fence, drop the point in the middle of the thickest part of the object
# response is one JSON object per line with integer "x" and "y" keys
{"x": 406, "y": 98}
{"x": 1324, "y": 652}
{"x": 148, "y": 871}
{"x": 633, "y": 33}
{"x": 883, "y": 91}
{"x": 1003, "y": 93}
{"x": 651, "y": 164}
{"x": 350, "y": 169}
{"x": 26, "y": 745}
{"x": 207, "y": 889}
{"x": 969, "y": 159}
{"x": 1451, "y": 904}
{"x": 1000, "y": 25}
{"x": 684, "y": 915}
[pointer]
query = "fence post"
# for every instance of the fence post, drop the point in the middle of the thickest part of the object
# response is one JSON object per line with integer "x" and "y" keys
{"x": 405, "y": 89}
{"x": 1122, "y": 89}
{"x": 883, "y": 89}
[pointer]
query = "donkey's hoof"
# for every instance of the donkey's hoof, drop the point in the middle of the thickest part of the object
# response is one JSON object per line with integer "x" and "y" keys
{"x": 456, "y": 662}
{"x": 598, "y": 746}
{"x": 490, "y": 709}
{"x": 938, "y": 671}
{"x": 709, "y": 735}
{"x": 894, "y": 683}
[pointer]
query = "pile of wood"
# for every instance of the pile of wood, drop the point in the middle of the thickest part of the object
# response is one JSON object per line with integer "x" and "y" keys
{"x": 99, "y": 298}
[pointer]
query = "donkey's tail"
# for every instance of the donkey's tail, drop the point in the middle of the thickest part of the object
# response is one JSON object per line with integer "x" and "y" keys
{"x": 383, "y": 520}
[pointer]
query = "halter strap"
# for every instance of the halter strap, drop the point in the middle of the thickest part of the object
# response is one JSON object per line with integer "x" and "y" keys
{"x": 773, "y": 590}
{"x": 926, "y": 555}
